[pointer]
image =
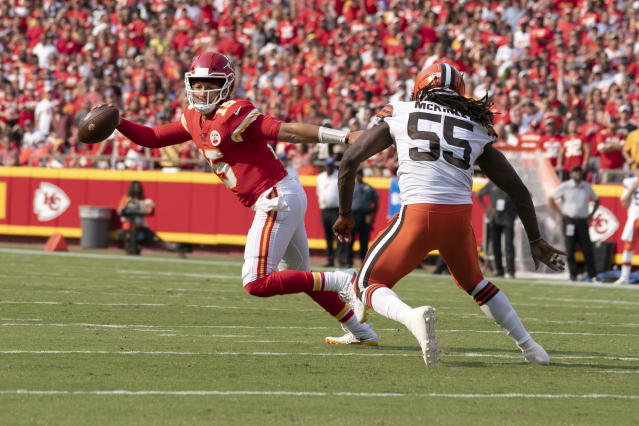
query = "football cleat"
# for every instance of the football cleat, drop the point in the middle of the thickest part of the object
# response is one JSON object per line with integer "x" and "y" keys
{"x": 347, "y": 293}
{"x": 439, "y": 75}
{"x": 366, "y": 337}
{"x": 534, "y": 353}
{"x": 622, "y": 281}
{"x": 421, "y": 322}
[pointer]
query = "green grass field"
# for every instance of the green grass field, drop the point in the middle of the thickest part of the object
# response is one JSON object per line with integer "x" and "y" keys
{"x": 99, "y": 338}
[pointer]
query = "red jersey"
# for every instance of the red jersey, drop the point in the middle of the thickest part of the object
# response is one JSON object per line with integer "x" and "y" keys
{"x": 573, "y": 146}
{"x": 608, "y": 160}
{"x": 529, "y": 140}
{"x": 588, "y": 131}
{"x": 550, "y": 146}
{"x": 235, "y": 143}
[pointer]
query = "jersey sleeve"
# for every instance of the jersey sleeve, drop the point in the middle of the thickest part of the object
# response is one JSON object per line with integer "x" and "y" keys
{"x": 154, "y": 137}
{"x": 240, "y": 116}
{"x": 385, "y": 112}
{"x": 263, "y": 127}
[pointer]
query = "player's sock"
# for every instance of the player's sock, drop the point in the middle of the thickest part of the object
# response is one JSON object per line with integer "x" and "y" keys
{"x": 626, "y": 264}
{"x": 285, "y": 282}
{"x": 331, "y": 303}
{"x": 354, "y": 326}
{"x": 497, "y": 307}
{"x": 385, "y": 302}
{"x": 333, "y": 280}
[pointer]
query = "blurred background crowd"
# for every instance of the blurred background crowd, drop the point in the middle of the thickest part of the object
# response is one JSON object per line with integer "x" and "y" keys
{"x": 563, "y": 73}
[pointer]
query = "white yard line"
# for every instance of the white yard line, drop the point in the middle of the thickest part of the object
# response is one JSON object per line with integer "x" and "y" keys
{"x": 588, "y": 301}
{"x": 180, "y": 274}
{"x": 364, "y": 353}
{"x": 107, "y": 256}
{"x": 557, "y": 333}
{"x": 119, "y": 392}
{"x": 20, "y": 319}
{"x": 176, "y": 305}
{"x": 441, "y": 308}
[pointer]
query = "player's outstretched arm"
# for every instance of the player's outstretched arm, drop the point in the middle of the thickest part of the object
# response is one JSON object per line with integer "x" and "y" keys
{"x": 154, "y": 137}
{"x": 309, "y": 133}
{"x": 368, "y": 144}
{"x": 501, "y": 172}
{"x": 151, "y": 137}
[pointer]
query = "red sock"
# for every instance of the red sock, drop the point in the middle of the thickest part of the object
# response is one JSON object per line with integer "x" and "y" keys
{"x": 290, "y": 282}
{"x": 281, "y": 282}
{"x": 330, "y": 301}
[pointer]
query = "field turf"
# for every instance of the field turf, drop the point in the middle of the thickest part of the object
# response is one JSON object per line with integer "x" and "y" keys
{"x": 98, "y": 338}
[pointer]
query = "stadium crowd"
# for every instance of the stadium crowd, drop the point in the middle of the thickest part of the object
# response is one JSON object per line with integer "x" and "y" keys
{"x": 563, "y": 73}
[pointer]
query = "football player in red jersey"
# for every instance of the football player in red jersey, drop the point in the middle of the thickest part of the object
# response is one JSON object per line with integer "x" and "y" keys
{"x": 233, "y": 136}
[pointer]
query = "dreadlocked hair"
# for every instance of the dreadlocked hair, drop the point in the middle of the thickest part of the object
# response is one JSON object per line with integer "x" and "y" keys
{"x": 477, "y": 109}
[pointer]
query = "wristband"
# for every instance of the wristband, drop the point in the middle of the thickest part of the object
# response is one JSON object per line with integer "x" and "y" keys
{"x": 536, "y": 240}
{"x": 332, "y": 136}
{"x": 345, "y": 213}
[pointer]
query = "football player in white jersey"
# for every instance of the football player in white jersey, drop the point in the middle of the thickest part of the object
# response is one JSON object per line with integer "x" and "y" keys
{"x": 438, "y": 137}
{"x": 630, "y": 234}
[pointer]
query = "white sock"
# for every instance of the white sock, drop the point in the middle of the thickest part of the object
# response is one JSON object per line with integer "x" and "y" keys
{"x": 626, "y": 263}
{"x": 333, "y": 281}
{"x": 385, "y": 302}
{"x": 355, "y": 326}
{"x": 625, "y": 271}
{"x": 499, "y": 309}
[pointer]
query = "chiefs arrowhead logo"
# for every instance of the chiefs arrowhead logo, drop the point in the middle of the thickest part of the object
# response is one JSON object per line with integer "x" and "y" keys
{"x": 604, "y": 224}
{"x": 49, "y": 201}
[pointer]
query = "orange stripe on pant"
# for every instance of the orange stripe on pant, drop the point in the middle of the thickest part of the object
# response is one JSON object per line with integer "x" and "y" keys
{"x": 417, "y": 230}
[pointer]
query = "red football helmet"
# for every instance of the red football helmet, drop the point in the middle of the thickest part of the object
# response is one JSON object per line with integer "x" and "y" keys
{"x": 439, "y": 74}
{"x": 211, "y": 65}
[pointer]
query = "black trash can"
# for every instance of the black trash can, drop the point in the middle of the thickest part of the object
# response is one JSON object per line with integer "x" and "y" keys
{"x": 603, "y": 252}
{"x": 96, "y": 222}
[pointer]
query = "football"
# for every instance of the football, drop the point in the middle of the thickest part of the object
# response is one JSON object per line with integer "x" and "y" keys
{"x": 98, "y": 124}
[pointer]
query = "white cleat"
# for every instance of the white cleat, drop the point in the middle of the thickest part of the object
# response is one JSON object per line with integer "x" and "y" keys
{"x": 421, "y": 322}
{"x": 621, "y": 281}
{"x": 347, "y": 292}
{"x": 366, "y": 337}
{"x": 534, "y": 353}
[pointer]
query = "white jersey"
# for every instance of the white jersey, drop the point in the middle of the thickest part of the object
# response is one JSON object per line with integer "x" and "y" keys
{"x": 436, "y": 148}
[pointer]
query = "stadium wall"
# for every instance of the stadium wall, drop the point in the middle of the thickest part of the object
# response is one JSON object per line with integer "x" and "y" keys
{"x": 194, "y": 207}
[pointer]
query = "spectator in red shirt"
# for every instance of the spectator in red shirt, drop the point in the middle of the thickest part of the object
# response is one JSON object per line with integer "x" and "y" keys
{"x": 608, "y": 145}
{"x": 550, "y": 142}
{"x": 575, "y": 151}
{"x": 531, "y": 139}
